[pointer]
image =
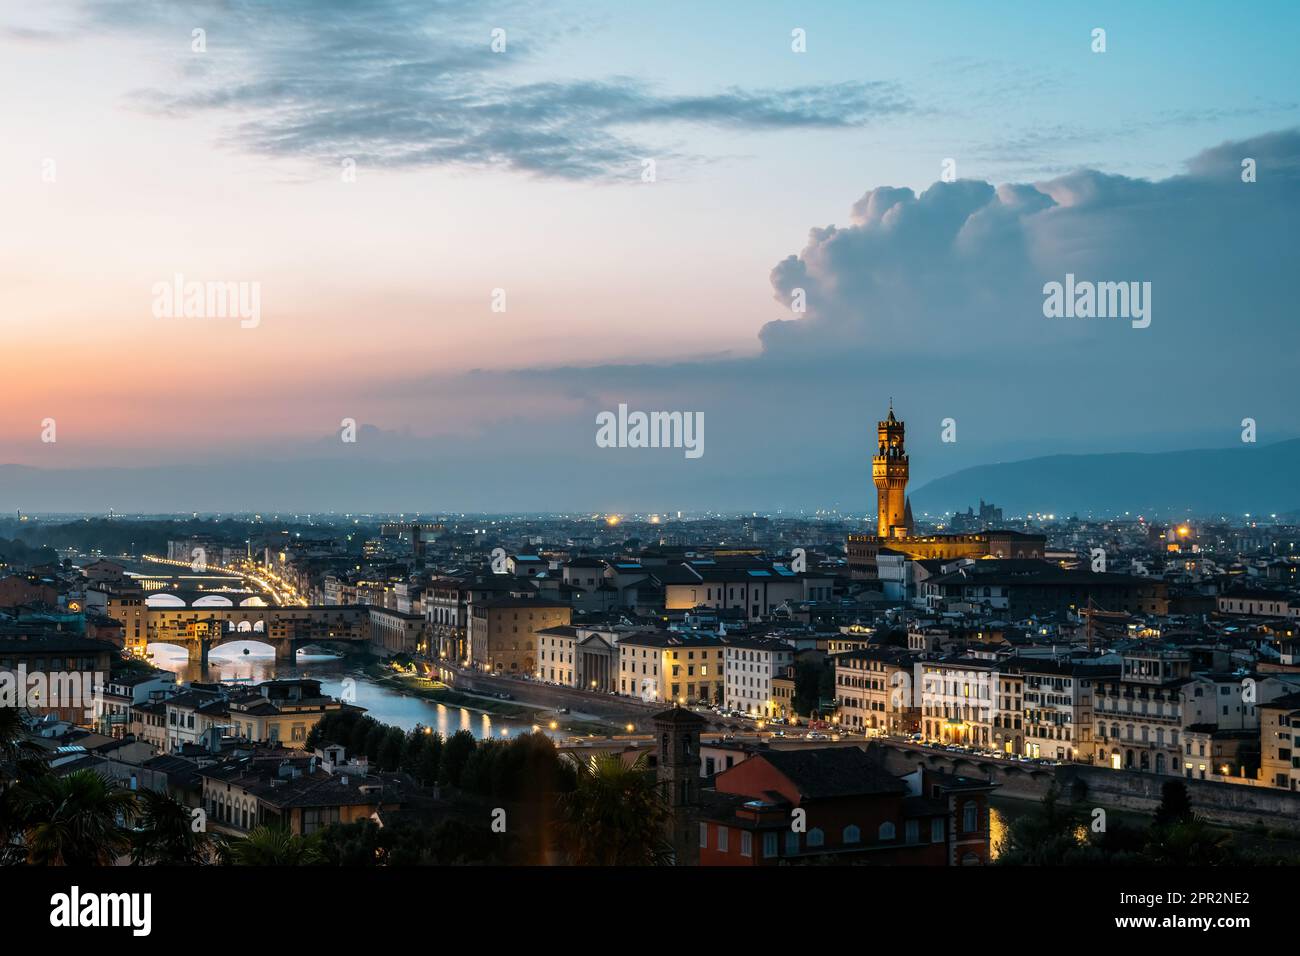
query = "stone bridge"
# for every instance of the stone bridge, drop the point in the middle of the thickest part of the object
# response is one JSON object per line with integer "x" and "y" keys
{"x": 1014, "y": 778}
{"x": 201, "y": 628}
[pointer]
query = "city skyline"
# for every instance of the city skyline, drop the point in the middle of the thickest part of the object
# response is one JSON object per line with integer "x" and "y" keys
{"x": 622, "y": 438}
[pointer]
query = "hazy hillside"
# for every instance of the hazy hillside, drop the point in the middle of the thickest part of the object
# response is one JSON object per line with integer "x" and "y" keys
{"x": 1256, "y": 479}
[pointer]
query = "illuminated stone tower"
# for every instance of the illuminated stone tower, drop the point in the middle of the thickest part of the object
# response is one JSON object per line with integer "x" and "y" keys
{"x": 889, "y": 472}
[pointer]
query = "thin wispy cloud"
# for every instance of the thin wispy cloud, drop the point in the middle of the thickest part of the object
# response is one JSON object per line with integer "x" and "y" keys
{"x": 399, "y": 84}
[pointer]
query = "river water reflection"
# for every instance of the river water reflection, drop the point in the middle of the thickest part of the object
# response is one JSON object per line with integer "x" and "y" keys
{"x": 250, "y": 662}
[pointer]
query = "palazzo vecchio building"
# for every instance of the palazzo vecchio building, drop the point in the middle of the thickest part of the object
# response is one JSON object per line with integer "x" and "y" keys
{"x": 894, "y": 527}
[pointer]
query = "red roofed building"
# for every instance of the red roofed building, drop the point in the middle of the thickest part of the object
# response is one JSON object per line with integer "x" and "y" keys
{"x": 853, "y": 811}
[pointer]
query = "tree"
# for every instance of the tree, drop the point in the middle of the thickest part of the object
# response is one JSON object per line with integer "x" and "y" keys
{"x": 275, "y": 846}
{"x": 616, "y": 815}
{"x": 1189, "y": 843}
{"x": 1175, "y": 805}
{"x": 364, "y": 843}
{"x": 1046, "y": 838}
{"x": 413, "y": 749}
{"x": 455, "y": 842}
{"x": 813, "y": 681}
{"x": 19, "y": 758}
{"x": 20, "y": 763}
{"x": 351, "y": 844}
{"x": 360, "y": 732}
{"x": 165, "y": 834}
{"x": 72, "y": 820}
{"x": 426, "y": 771}
{"x": 390, "y": 749}
{"x": 455, "y": 754}
{"x": 374, "y": 739}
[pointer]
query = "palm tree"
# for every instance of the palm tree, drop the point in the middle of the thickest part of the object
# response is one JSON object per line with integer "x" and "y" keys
{"x": 275, "y": 846}
{"x": 11, "y": 733}
{"x": 19, "y": 761}
{"x": 617, "y": 815}
{"x": 72, "y": 820}
{"x": 166, "y": 835}
{"x": 19, "y": 758}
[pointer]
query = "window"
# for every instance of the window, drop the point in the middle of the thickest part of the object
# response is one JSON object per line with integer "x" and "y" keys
{"x": 314, "y": 819}
{"x": 886, "y": 831}
{"x": 912, "y": 831}
{"x": 746, "y": 843}
{"x": 792, "y": 841}
{"x": 722, "y": 839}
{"x": 769, "y": 844}
{"x": 970, "y": 817}
{"x": 704, "y": 835}
{"x": 936, "y": 830}
{"x": 816, "y": 837}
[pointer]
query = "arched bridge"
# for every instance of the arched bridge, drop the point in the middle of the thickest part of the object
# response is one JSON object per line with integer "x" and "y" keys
{"x": 199, "y": 628}
{"x": 1013, "y": 777}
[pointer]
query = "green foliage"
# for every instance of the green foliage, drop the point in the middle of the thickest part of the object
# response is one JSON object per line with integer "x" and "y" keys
{"x": 1175, "y": 805}
{"x": 430, "y": 760}
{"x": 71, "y": 820}
{"x": 616, "y": 815}
{"x": 1063, "y": 836}
{"x": 455, "y": 755}
{"x": 165, "y": 834}
{"x": 389, "y": 758}
{"x": 813, "y": 682}
{"x": 275, "y": 846}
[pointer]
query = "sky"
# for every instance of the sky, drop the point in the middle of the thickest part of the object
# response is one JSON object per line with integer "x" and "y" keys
{"x": 520, "y": 176}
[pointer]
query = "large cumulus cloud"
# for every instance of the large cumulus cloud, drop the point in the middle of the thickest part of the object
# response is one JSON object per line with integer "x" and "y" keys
{"x": 962, "y": 265}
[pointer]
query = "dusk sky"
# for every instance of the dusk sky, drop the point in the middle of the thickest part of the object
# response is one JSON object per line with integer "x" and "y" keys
{"x": 129, "y": 158}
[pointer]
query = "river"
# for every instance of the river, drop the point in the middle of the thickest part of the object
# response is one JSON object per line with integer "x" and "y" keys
{"x": 252, "y": 662}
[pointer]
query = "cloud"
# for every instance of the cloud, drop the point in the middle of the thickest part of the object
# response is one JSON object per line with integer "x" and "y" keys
{"x": 936, "y": 299}
{"x": 961, "y": 266}
{"x": 403, "y": 84}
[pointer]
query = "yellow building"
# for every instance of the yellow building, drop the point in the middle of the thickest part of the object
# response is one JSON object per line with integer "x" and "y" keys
{"x": 671, "y": 668}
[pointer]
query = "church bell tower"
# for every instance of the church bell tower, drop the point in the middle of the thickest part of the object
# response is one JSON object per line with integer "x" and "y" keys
{"x": 889, "y": 472}
{"x": 678, "y": 732}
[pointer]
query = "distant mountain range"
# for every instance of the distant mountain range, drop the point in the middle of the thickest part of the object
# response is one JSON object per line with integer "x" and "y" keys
{"x": 1247, "y": 479}
{"x": 1255, "y": 479}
